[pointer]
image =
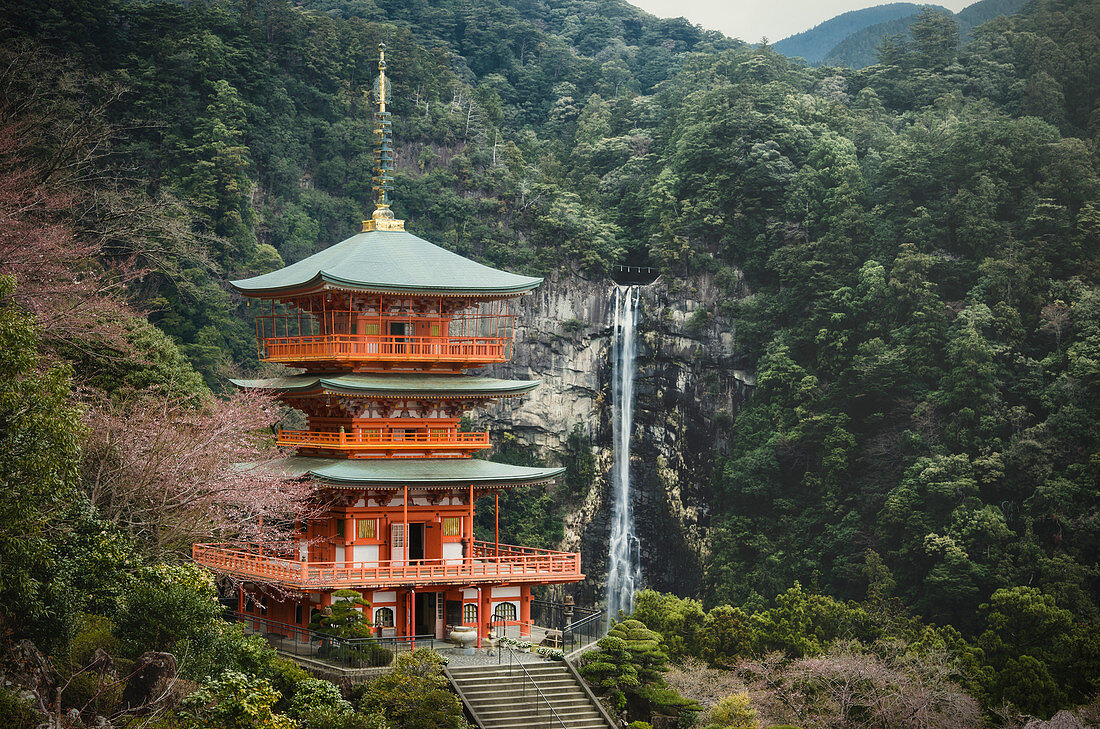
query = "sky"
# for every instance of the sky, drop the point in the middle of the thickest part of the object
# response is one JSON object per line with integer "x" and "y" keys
{"x": 752, "y": 20}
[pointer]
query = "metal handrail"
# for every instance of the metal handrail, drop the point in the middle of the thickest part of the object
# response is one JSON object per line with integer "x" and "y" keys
{"x": 346, "y": 646}
{"x": 528, "y": 677}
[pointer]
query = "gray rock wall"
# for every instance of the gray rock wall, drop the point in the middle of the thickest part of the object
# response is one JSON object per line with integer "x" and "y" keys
{"x": 690, "y": 383}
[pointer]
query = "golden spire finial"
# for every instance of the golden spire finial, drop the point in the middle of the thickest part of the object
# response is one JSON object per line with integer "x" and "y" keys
{"x": 382, "y": 218}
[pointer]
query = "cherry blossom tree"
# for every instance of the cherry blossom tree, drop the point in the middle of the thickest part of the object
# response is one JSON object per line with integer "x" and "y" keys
{"x": 171, "y": 471}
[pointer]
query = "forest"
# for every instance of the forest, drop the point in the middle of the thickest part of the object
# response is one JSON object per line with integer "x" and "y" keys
{"x": 909, "y": 254}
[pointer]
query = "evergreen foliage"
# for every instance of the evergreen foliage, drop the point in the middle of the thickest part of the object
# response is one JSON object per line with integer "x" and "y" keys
{"x": 909, "y": 252}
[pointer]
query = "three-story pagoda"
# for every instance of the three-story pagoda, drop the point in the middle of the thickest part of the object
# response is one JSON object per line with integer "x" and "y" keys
{"x": 385, "y": 326}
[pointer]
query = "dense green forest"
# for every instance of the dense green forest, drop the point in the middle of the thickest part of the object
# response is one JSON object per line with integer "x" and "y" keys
{"x": 908, "y": 252}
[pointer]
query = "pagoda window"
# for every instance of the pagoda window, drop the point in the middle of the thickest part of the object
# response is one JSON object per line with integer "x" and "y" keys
{"x": 452, "y": 526}
{"x": 505, "y": 611}
{"x": 339, "y": 528}
{"x": 383, "y": 617}
{"x": 366, "y": 528}
{"x": 469, "y": 612}
{"x": 299, "y": 614}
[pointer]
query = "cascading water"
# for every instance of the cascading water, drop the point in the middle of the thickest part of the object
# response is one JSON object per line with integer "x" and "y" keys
{"x": 624, "y": 563}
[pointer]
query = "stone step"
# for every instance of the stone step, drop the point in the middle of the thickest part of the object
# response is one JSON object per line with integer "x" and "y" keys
{"x": 551, "y": 724}
{"x": 503, "y": 697}
{"x": 511, "y": 698}
{"x": 474, "y": 687}
{"x": 535, "y": 669}
{"x": 560, "y": 708}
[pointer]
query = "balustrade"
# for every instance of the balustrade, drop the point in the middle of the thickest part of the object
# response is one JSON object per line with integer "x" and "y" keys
{"x": 367, "y": 348}
{"x": 384, "y": 440}
{"x": 488, "y": 564}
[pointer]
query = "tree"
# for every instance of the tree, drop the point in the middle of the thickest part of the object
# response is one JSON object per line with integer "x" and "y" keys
{"x": 935, "y": 38}
{"x": 39, "y": 446}
{"x": 611, "y": 669}
{"x": 166, "y": 469}
{"x": 726, "y": 636}
{"x": 678, "y": 620}
{"x": 344, "y": 618}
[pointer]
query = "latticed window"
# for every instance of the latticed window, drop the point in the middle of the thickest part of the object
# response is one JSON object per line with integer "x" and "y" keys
{"x": 366, "y": 528}
{"x": 384, "y": 617}
{"x": 469, "y": 612}
{"x": 505, "y": 610}
{"x": 452, "y": 526}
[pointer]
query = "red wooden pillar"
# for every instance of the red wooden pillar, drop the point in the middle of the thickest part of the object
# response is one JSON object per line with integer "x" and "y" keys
{"x": 483, "y": 612}
{"x": 412, "y": 616}
{"x": 349, "y": 540}
{"x": 470, "y": 532}
{"x": 525, "y": 611}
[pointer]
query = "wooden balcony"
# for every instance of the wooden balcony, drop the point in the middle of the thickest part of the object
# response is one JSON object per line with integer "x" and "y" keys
{"x": 368, "y": 348}
{"x": 275, "y": 564}
{"x": 383, "y": 444}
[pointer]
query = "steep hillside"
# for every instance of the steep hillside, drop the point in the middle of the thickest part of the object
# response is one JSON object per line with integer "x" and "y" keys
{"x": 814, "y": 44}
{"x": 904, "y": 258}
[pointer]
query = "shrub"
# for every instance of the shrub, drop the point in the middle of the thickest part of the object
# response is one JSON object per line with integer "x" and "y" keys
{"x": 312, "y": 695}
{"x": 238, "y": 701}
{"x": 167, "y": 604}
{"x": 414, "y": 695}
{"x": 734, "y": 711}
{"x": 18, "y": 713}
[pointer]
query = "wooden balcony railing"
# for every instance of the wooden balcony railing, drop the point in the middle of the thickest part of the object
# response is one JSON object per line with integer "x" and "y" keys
{"x": 512, "y": 564}
{"x": 384, "y": 441}
{"x": 368, "y": 348}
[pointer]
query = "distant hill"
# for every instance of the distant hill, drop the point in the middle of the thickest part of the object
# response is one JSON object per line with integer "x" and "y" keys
{"x": 974, "y": 15}
{"x": 858, "y": 48}
{"x": 815, "y": 43}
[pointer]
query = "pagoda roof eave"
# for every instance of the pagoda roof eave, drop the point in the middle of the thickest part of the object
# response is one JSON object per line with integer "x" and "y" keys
{"x": 434, "y": 473}
{"x": 388, "y": 262}
{"x": 410, "y": 385}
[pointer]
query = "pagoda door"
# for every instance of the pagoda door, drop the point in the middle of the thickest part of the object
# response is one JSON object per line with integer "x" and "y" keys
{"x": 398, "y": 330}
{"x": 416, "y": 543}
{"x": 397, "y": 544}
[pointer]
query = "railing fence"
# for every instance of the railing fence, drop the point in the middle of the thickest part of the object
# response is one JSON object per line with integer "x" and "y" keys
{"x": 345, "y": 653}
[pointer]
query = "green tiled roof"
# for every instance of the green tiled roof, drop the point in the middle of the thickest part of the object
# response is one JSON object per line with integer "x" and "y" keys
{"x": 395, "y": 473}
{"x": 394, "y": 385}
{"x": 389, "y": 261}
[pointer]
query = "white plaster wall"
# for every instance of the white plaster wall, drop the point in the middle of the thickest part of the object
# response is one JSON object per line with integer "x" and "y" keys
{"x": 365, "y": 553}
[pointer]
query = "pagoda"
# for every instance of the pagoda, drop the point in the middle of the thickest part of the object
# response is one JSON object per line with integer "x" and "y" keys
{"x": 384, "y": 327}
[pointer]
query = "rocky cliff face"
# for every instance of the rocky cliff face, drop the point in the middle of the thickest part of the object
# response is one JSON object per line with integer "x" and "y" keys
{"x": 688, "y": 386}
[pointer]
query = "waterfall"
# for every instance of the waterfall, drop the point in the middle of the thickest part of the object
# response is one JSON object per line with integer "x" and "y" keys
{"x": 623, "y": 559}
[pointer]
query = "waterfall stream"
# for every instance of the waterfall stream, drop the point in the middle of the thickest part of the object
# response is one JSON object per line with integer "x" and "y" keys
{"x": 623, "y": 561}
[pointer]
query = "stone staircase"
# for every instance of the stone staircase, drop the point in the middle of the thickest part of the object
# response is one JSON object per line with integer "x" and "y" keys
{"x": 502, "y": 697}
